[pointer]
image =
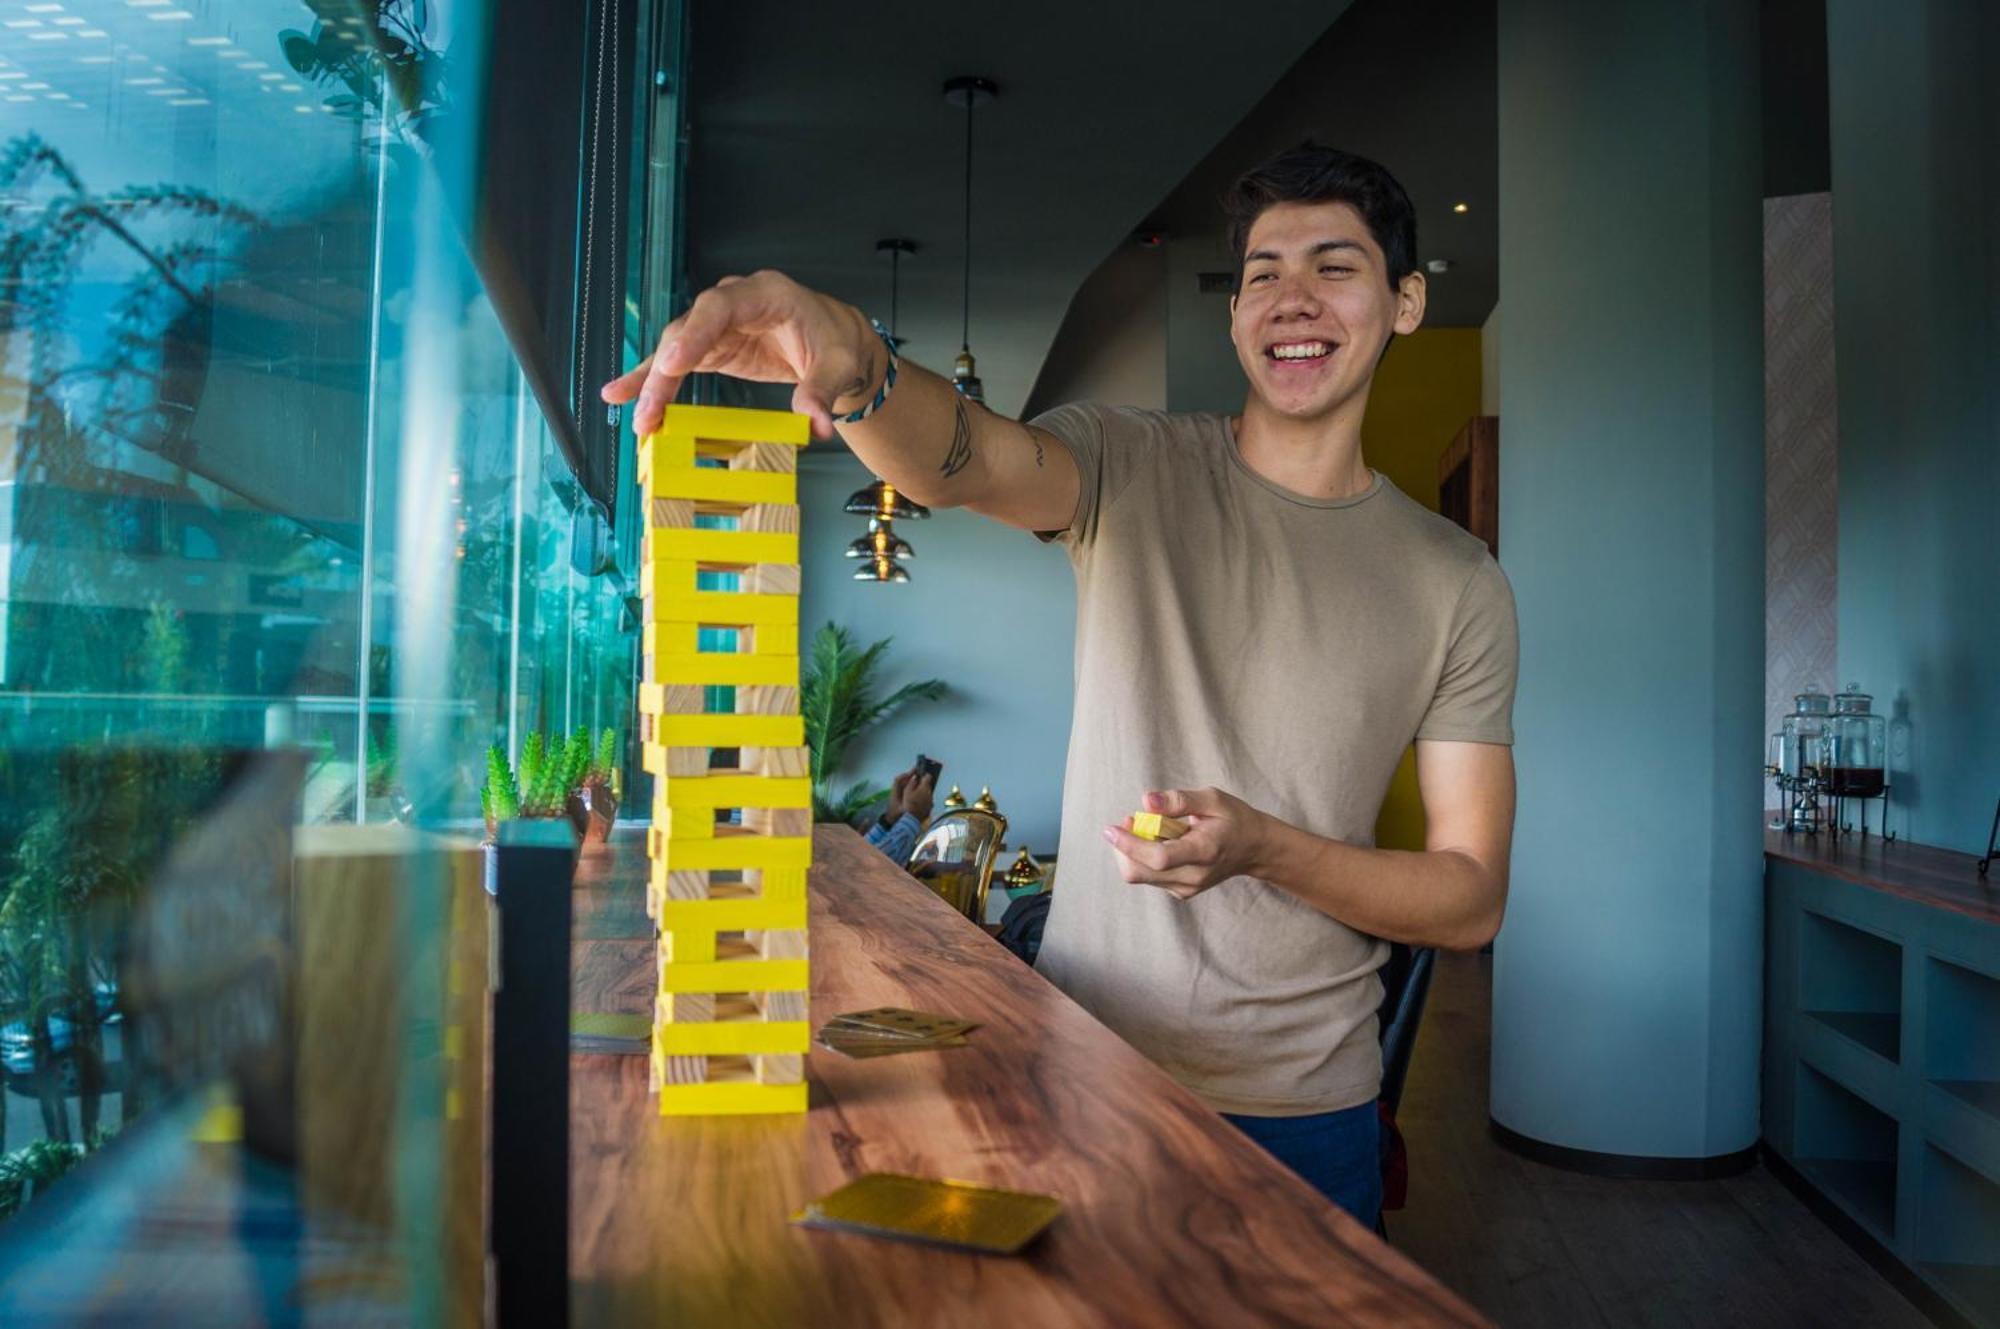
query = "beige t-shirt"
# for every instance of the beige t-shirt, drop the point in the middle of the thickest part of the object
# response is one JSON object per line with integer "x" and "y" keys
{"x": 1284, "y": 649}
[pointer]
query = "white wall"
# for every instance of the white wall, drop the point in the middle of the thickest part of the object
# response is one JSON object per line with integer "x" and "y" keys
{"x": 988, "y": 609}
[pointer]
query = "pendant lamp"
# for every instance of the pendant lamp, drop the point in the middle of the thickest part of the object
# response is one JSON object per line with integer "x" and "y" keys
{"x": 969, "y": 91}
{"x": 879, "y": 502}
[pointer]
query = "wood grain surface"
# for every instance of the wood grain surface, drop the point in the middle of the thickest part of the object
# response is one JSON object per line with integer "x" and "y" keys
{"x": 1171, "y": 1217}
{"x": 1929, "y": 875}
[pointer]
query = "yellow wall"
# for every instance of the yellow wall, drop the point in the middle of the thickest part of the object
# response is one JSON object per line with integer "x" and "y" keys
{"x": 1426, "y": 389}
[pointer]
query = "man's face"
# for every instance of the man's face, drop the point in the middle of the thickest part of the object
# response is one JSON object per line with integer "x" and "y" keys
{"x": 1315, "y": 308}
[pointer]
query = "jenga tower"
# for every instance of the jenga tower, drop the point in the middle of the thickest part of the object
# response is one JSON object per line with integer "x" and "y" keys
{"x": 720, "y": 569}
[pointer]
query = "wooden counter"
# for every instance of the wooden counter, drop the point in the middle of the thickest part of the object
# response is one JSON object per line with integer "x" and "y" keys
{"x": 1941, "y": 878}
{"x": 1171, "y": 1216}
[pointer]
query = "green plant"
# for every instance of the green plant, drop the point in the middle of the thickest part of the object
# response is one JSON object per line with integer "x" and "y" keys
{"x": 837, "y": 699}
{"x": 500, "y": 796}
{"x": 550, "y": 770}
{"x": 379, "y": 56}
{"x": 604, "y": 765}
{"x": 30, "y": 1170}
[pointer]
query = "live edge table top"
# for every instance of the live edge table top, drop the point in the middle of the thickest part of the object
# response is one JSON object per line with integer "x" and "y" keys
{"x": 1170, "y": 1217}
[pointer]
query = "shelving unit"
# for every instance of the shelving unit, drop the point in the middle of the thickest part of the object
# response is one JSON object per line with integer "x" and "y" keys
{"x": 1882, "y": 1060}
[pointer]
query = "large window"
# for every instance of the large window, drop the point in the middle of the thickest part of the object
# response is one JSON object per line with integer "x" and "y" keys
{"x": 273, "y": 475}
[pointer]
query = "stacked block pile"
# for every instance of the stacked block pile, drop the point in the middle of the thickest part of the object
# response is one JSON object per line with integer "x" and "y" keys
{"x": 731, "y": 837}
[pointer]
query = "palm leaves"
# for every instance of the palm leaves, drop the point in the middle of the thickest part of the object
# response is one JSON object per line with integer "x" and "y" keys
{"x": 837, "y": 698}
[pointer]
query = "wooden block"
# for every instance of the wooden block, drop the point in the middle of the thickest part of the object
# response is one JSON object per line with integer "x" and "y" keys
{"x": 739, "y": 791}
{"x": 781, "y": 1068}
{"x": 771, "y": 518}
{"x": 733, "y": 976}
{"x": 780, "y": 944}
{"x": 742, "y": 547}
{"x": 670, "y": 639}
{"x": 739, "y": 1029}
{"x": 658, "y": 449}
{"x": 671, "y": 514}
{"x": 680, "y": 947}
{"x": 731, "y": 1099}
{"x": 683, "y": 824}
{"x": 679, "y": 1071}
{"x": 777, "y": 458}
{"x": 767, "y": 699}
{"x": 778, "y": 821}
{"x": 706, "y": 484}
{"x": 725, "y": 669}
{"x": 789, "y": 761}
{"x": 683, "y": 699}
{"x": 772, "y": 579}
{"x": 1156, "y": 826}
{"x": 738, "y": 851}
{"x": 776, "y": 639}
{"x": 720, "y": 608}
{"x": 785, "y": 1005}
{"x": 685, "y": 1007}
{"x": 729, "y": 731}
{"x": 659, "y": 759}
{"x": 738, "y": 424}
{"x": 732, "y": 915}
{"x": 683, "y": 886}
{"x": 779, "y": 883}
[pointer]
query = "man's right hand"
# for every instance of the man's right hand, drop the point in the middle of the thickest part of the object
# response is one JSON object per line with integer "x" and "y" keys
{"x": 766, "y": 328}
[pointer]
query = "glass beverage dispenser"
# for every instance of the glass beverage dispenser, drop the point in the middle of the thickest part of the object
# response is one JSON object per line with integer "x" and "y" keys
{"x": 1856, "y": 750}
{"x": 1798, "y": 762}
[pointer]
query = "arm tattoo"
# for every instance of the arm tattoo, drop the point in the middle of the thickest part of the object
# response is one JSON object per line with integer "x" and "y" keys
{"x": 1035, "y": 437}
{"x": 960, "y": 455}
{"x": 859, "y": 385}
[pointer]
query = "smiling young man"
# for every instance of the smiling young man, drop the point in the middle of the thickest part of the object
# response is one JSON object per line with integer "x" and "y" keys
{"x": 1264, "y": 625}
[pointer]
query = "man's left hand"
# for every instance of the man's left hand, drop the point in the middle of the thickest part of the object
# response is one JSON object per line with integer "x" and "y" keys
{"x": 1224, "y": 838}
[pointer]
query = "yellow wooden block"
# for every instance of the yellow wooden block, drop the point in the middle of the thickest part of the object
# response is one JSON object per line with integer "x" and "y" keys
{"x": 724, "y": 546}
{"x": 733, "y": 915}
{"x": 782, "y": 883}
{"x": 731, "y": 1038}
{"x": 726, "y": 668}
{"x": 1157, "y": 826}
{"x": 708, "y": 484}
{"x": 687, "y": 824}
{"x": 658, "y": 450}
{"x": 730, "y": 851}
{"x": 737, "y": 424}
{"x": 733, "y": 975}
{"x": 722, "y": 609}
{"x": 730, "y": 1099}
{"x": 668, "y": 639}
{"x": 728, "y": 731}
{"x": 688, "y": 946}
{"x": 739, "y": 791}
{"x": 775, "y": 639}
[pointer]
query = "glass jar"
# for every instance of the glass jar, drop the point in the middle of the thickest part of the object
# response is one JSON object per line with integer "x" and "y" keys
{"x": 1802, "y": 743}
{"x": 1856, "y": 746}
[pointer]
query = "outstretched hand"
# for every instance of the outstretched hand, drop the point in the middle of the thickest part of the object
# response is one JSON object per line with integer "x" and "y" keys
{"x": 1225, "y": 836}
{"x": 766, "y": 328}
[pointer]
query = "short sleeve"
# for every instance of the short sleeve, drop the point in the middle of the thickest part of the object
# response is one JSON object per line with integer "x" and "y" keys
{"x": 1102, "y": 467}
{"x": 1474, "y": 702}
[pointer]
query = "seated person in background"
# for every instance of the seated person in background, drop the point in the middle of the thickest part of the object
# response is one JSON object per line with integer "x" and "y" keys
{"x": 895, "y": 832}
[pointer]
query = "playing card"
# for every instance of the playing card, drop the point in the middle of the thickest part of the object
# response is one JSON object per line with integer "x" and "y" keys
{"x": 900, "y": 1021}
{"x": 957, "y": 1214}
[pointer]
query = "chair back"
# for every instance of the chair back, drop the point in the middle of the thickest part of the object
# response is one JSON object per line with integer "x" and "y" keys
{"x": 955, "y": 855}
{"x": 1406, "y": 981}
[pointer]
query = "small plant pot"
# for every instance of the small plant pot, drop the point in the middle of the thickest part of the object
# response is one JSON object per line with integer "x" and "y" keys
{"x": 592, "y": 809}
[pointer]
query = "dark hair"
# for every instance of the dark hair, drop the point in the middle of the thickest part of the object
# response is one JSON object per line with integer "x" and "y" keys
{"x": 1315, "y": 173}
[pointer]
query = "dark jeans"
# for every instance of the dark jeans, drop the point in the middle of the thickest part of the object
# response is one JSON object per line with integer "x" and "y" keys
{"x": 1338, "y": 1153}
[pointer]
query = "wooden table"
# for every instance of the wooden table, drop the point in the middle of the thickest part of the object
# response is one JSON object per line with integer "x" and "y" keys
{"x": 1171, "y": 1217}
{"x": 1942, "y": 878}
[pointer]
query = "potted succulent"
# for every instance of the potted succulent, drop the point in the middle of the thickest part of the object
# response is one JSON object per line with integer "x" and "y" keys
{"x": 556, "y": 778}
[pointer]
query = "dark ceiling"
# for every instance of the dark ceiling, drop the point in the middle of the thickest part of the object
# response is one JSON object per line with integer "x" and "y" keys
{"x": 819, "y": 129}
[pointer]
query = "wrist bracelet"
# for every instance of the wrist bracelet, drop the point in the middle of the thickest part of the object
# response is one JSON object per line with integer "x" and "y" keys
{"x": 888, "y": 382}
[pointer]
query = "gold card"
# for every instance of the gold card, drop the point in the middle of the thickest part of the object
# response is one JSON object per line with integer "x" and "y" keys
{"x": 897, "y": 1020}
{"x": 958, "y": 1214}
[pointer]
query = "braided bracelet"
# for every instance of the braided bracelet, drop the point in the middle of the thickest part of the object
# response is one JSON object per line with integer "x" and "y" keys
{"x": 882, "y": 395}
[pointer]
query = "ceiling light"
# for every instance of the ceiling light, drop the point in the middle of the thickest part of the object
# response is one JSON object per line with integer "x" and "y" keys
{"x": 58, "y": 96}
{"x": 21, "y": 97}
{"x": 1460, "y": 207}
{"x": 33, "y": 87}
{"x": 71, "y": 22}
{"x": 303, "y": 110}
{"x": 24, "y": 23}
{"x": 145, "y": 4}
{"x": 290, "y": 87}
{"x": 92, "y": 32}
{"x": 881, "y": 500}
{"x": 143, "y": 82}
{"x": 233, "y": 54}
{"x": 269, "y": 78}
{"x": 170, "y": 15}
{"x": 1438, "y": 266}
{"x": 48, "y": 36}
{"x": 208, "y": 41}
{"x": 968, "y": 91}
{"x": 253, "y": 64}
{"x": 94, "y": 59}
{"x": 188, "y": 101}
{"x": 882, "y": 569}
{"x": 12, "y": 73}
{"x": 42, "y": 9}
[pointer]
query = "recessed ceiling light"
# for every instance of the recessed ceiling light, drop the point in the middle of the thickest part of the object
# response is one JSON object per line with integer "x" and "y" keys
{"x": 290, "y": 87}
{"x": 43, "y": 9}
{"x": 95, "y": 59}
{"x": 208, "y": 41}
{"x": 303, "y": 110}
{"x": 170, "y": 15}
{"x": 92, "y": 32}
{"x": 188, "y": 101}
{"x": 145, "y": 4}
{"x": 143, "y": 82}
{"x": 34, "y": 87}
{"x": 1460, "y": 207}
{"x": 270, "y": 78}
{"x": 58, "y": 97}
{"x": 48, "y": 36}
{"x": 253, "y": 64}
{"x": 71, "y": 22}
{"x": 232, "y": 54}
{"x": 168, "y": 92}
{"x": 12, "y": 73}
{"x": 21, "y": 97}
{"x": 24, "y": 23}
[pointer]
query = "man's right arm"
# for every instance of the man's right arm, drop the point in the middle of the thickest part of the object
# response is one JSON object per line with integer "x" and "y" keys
{"x": 925, "y": 439}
